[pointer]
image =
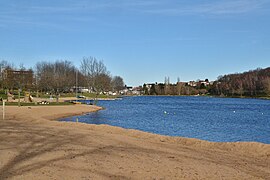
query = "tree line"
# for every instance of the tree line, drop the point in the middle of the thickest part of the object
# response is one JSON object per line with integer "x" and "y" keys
{"x": 61, "y": 76}
{"x": 178, "y": 89}
{"x": 252, "y": 83}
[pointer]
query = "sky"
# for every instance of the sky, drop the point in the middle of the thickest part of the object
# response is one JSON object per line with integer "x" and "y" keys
{"x": 142, "y": 41}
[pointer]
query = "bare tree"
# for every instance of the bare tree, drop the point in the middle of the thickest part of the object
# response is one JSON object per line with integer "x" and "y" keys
{"x": 103, "y": 82}
{"x": 58, "y": 76}
{"x": 251, "y": 83}
{"x": 95, "y": 73}
{"x": 117, "y": 83}
{"x": 267, "y": 86}
{"x": 3, "y": 66}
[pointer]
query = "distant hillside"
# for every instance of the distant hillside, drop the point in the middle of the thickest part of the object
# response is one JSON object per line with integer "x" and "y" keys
{"x": 252, "y": 83}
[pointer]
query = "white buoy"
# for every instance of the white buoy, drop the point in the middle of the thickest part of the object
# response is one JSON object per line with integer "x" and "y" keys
{"x": 233, "y": 111}
{"x": 165, "y": 112}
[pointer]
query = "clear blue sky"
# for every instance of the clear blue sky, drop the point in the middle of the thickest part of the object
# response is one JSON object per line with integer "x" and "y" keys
{"x": 140, "y": 40}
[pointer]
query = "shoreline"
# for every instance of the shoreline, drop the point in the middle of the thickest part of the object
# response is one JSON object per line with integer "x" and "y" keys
{"x": 31, "y": 137}
{"x": 210, "y": 96}
{"x": 155, "y": 134}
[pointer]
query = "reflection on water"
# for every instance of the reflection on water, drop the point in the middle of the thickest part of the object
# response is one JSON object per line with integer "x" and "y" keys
{"x": 213, "y": 119}
{"x": 95, "y": 118}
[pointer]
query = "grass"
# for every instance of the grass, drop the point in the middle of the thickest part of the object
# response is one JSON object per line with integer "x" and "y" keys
{"x": 88, "y": 95}
{"x": 41, "y": 95}
{"x": 16, "y": 96}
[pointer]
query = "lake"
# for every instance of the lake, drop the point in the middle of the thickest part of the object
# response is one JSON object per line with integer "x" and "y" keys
{"x": 206, "y": 118}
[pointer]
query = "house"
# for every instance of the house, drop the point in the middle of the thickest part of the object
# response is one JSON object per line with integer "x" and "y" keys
{"x": 192, "y": 83}
{"x": 17, "y": 79}
{"x": 80, "y": 89}
{"x": 198, "y": 83}
{"x": 137, "y": 91}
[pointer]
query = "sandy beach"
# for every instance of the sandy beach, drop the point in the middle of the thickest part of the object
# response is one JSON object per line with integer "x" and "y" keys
{"x": 34, "y": 145}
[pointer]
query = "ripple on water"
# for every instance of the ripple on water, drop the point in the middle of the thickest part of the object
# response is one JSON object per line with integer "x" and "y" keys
{"x": 213, "y": 119}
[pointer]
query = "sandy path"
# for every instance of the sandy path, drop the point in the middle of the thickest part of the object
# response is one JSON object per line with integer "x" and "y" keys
{"x": 34, "y": 147}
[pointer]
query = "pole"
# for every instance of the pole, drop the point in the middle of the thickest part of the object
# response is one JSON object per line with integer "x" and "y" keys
{"x": 37, "y": 86}
{"x": 19, "y": 100}
{"x": 76, "y": 84}
{"x": 3, "y": 110}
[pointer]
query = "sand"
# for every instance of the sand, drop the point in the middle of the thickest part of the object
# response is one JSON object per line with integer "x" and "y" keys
{"x": 33, "y": 145}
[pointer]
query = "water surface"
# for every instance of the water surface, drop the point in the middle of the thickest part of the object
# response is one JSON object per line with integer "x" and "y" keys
{"x": 212, "y": 119}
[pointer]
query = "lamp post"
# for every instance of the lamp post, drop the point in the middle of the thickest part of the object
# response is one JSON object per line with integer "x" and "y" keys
{"x": 3, "y": 110}
{"x": 19, "y": 100}
{"x": 36, "y": 85}
{"x": 76, "y": 88}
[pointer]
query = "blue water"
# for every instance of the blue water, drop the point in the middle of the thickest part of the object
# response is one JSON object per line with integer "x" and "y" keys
{"x": 212, "y": 119}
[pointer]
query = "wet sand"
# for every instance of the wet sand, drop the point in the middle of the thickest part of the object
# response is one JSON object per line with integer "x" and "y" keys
{"x": 33, "y": 145}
